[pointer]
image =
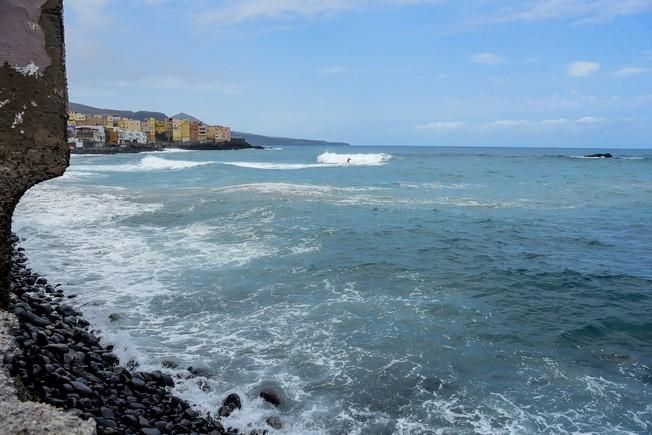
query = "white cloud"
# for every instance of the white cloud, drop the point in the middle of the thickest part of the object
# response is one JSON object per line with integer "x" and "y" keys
{"x": 590, "y": 120}
{"x": 631, "y": 70}
{"x": 235, "y": 11}
{"x": 442, "y": 125}
{"x": 582, "y": 68}
{"x": 582, "y": 11}
{"x": 487, "y": 58}
{"x": 520, "y": 123}
{"x": 509, "y": 123}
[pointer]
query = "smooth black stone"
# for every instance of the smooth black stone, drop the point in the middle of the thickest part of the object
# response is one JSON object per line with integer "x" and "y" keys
{"x": 143, "y": 421}
{"x": 58, "y": 347}
{"x": 81, "y": 388}
{"x": 106, "y": 422}
{"x": 107, "y": 412}
{"x": 137, "y": 383}
{"x": 35, "y": 320}
{"x": 150, "y": 431}
{"x": 130, "y": 420}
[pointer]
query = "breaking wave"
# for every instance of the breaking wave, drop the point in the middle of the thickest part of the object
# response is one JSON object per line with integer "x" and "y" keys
{"x": 354, "y": 159}
{"x": 148, "y": 163}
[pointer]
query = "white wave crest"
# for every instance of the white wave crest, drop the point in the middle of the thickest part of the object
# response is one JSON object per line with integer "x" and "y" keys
{"x": 148, "y": 163}
{"x": 273, "y": 166}
{"x": 354, "y": 159}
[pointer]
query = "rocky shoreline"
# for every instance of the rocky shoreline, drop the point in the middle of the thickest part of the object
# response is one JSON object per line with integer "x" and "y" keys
{"x": 58, "y": 360}
{"x": 233, "y": 144}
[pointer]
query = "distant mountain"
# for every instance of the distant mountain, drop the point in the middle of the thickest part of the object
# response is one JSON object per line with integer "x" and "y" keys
{"x": 186, "y": 117}
{"x": 140, "y": 115}
{"x": 254, "y": 139}
{"x": 271, "y": 141}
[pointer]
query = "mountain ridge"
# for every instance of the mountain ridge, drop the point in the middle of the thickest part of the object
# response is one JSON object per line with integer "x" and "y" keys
{"x": 252, "y": 138}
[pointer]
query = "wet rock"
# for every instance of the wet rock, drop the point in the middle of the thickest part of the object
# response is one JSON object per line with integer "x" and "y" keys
{"x": 169, "y": 364}
{"x": 600, "y": 155}
{"x": 114, "y": 317}
{"x": 270, "y": 396}
{"x": 274, "y": 421}
{"x": 230, "y": 404}
{"x": 150, "y": 431}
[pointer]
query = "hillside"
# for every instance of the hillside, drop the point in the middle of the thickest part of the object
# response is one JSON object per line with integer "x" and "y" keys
{"x": 254, "y": 139}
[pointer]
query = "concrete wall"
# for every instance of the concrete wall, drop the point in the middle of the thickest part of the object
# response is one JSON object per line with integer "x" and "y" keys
{"x": 33, "y": 103}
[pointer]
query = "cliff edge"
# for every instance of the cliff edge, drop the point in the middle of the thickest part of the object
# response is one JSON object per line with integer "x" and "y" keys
{"x": 33, "y": 99}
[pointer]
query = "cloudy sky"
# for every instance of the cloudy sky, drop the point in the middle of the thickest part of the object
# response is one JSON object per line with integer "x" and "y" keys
{"x": 566, "y": 73}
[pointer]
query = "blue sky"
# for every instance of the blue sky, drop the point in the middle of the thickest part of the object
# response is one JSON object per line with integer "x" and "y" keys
{"x": 564, "y": 73}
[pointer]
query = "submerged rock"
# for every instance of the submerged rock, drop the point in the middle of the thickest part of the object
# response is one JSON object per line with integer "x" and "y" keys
{"x": 600, "y": 155}
{"x": 230, "y": 404}
{"x": 274, "y": 421}
{"x": 269, "y": 395}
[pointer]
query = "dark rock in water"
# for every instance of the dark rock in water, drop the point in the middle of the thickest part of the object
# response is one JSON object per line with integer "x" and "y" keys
{"x": 270, "y": 396}
{"x": 114, "y": 317}
{"x": 229, "y": 405}
{"x": 600, "y": 155}
{"x": 274, "y": 421}
{"x": 169, "y": 364}
{"x": 200, "y": 371}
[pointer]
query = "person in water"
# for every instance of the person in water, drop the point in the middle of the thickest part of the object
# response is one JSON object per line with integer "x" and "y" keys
{"x": 348, "y": 160}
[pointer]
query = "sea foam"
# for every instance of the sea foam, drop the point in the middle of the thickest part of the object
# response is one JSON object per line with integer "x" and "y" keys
{"x": 147, "y": 163}
{"x": 354, "y": 159}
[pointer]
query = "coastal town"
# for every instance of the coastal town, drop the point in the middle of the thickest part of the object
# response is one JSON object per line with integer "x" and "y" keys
{"x": 114, "y": 131}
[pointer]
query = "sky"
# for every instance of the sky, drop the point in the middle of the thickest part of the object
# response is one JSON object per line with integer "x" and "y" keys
{"x": 545, "y": 73}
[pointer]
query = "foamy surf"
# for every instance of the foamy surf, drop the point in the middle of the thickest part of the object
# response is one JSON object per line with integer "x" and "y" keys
{"x": 354, "y": 159}
{"x": 147, "y": 163}
{"x": 325, "y": 160}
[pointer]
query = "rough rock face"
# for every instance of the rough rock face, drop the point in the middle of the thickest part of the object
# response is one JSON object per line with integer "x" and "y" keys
{"x": 33, "y": 100}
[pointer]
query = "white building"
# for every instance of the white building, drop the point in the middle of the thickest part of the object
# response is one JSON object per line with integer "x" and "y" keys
{"x": 91, "y": 135}
{"x": 131, "y": 137}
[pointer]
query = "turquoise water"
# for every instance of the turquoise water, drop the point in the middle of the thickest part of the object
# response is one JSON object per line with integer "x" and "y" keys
{"x": 409, "y": 290}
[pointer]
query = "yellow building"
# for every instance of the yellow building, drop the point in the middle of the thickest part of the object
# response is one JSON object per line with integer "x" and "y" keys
{"x": 222, "y": 134}
{"x": 202, "y": 133}
{"x": 173, "y": 130}
{"x": 76, "y": 118}
{"x": 184, "y": 126}
{"x": 148, "y": 126}
{"x": 161, "y": 127}
{"x": 129, "y": 124}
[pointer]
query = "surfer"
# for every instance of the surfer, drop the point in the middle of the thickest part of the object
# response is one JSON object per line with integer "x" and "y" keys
{"x": 348, "y": 160}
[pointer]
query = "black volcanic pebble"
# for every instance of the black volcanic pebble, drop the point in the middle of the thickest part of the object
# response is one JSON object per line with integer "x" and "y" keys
{"x": 64, "y": 364}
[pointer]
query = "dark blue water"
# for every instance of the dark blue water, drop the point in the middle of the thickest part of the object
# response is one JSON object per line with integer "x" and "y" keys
{"x": 409, "y": 290}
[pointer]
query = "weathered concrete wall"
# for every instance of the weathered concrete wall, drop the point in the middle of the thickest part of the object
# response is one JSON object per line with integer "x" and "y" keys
{"x": 33, "y": 101}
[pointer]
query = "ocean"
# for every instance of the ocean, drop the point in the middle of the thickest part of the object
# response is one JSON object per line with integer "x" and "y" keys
{"x": 379, "y": 290}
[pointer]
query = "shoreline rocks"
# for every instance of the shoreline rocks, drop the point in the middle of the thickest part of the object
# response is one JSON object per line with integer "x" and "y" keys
{"x": 61, "y": 362}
